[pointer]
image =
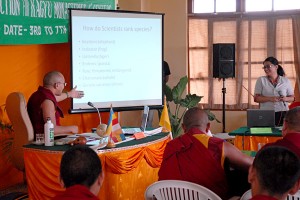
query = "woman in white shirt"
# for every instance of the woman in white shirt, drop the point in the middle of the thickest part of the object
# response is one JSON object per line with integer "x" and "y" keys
{"x": 274, "y": 91}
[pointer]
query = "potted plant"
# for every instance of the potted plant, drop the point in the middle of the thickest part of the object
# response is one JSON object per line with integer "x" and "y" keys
{"x": 181, "y": 104}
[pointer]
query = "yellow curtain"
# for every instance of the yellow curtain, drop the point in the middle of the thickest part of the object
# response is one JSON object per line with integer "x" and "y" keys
{"x": 128, "y": 172}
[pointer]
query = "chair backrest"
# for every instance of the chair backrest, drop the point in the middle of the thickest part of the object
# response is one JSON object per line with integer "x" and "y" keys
{"x": 296, "y": 196}
{"x": 176, "y": 190}
{"x": 248, "y": 195}
{"x": 17, "y": 113}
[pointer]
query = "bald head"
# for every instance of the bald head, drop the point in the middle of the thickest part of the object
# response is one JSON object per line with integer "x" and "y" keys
{"x": 53, "y": 77}
{"x": 292, "y": 119}
{"x": 196, "y": 117}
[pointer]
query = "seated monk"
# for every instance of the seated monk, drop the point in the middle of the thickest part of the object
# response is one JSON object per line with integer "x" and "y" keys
{"x": 290, "y": 131}
{"x": 196, "y": 157}
{"x": 275, "y": 173}
{"x": 44, "y": 103}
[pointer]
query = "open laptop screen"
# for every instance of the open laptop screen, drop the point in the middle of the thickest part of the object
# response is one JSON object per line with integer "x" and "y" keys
{"x": 260, "y": 118}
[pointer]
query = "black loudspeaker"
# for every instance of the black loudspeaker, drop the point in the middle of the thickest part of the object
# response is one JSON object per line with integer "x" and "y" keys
{"x": 224, "y": 60}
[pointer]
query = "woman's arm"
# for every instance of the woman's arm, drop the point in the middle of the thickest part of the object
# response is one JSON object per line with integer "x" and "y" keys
{"x": 262, "y": 99}
{"x": 289, "y": 99}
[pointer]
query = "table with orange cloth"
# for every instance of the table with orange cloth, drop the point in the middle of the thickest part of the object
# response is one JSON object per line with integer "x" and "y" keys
{"x": 129, "y": 168}
{"x": 244, "y": 140}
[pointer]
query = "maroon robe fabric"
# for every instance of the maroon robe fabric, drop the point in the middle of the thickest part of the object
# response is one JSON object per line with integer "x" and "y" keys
{"x": 75, "y": 192}
{"x": 294, "y": 104}
{"x": 186, "y": 158}
{"x": 262, "y": 197}
{"x": 35, "y": 112}
{"x": 291, "y": 141}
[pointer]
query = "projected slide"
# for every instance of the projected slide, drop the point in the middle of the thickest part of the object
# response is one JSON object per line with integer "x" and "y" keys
{"x": 117, "y": 59}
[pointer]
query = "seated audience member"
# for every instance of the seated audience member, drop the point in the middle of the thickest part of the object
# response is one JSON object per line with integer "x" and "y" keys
{"x": 44, "y": 103}
{"x": 80, "y": 173}
{"x": 274, "y": 174}
{"x": 290, "y": 131}
{"x": 199, "y": 158}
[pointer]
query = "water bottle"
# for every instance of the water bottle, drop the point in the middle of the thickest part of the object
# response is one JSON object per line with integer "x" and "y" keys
{"x": 49, "y": 132}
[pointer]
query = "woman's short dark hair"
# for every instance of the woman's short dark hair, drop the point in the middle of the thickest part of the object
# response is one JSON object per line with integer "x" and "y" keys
{"x": 80, "y": 165}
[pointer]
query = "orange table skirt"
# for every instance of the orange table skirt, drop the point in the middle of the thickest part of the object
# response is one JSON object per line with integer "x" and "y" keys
{"x": 251, "y": 143}
{"x": 128, "y": 171}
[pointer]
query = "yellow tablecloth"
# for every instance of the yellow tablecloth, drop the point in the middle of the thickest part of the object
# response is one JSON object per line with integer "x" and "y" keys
{"x": 245, "y": 140}
{"x": 128, "y": 170}
{"x": 250, "y": 143}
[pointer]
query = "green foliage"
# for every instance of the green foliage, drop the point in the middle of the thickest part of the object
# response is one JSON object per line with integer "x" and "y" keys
{"x": 212, "y": 116}
{"x": 4, "y": 126}
{"x": 181, "y": 104}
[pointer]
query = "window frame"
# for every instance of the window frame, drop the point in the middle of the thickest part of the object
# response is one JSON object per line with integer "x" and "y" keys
{"x": 258, "y": 15}
{"x": 241, "y": 9}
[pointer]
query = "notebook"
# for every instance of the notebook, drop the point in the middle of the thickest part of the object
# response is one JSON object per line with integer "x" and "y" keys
{"x": 260, "y": 118}
{"x": 260, "y": 130}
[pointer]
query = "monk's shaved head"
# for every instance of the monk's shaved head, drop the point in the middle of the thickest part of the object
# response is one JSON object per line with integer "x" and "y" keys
{"x": 196, "y": 117}
{"x": 53, "y": 77}
{"x": 292, "y": 119}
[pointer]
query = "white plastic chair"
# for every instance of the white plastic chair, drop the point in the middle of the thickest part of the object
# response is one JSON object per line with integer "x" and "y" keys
{"x": 247, "y": 195}
{"x": 177, "y": 190}
{"x": 296, "y": 196}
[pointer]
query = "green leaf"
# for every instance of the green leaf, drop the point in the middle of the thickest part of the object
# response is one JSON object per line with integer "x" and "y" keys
{"x": 212, "y": 116}
{"x": 168, "y": 93}
{"x": 173, "y": 119}
{"x": 191, "y": 100}
{"x": 177, "y": 132}
{"x": 178, "y": 90}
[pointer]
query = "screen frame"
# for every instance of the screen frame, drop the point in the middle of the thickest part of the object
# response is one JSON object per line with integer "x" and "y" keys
{"x": 73, "y": 110}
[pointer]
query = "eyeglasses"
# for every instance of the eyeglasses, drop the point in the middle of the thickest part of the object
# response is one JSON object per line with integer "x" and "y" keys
{"x": 65, "y": 84}
{"x": 267, "y": 66}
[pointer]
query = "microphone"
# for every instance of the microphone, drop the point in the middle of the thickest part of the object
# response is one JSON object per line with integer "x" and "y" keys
{"x": 101, "y": 128}
{"x": 280, "y": 94}
{"x": 92, "y": 105}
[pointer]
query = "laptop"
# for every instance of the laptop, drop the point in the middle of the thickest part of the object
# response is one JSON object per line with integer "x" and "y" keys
{"x": 260, "y": 118}
{"x": 142, "y": 128}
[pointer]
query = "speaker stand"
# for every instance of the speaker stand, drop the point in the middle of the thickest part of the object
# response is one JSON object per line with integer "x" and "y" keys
{"x": 223, "y": 108}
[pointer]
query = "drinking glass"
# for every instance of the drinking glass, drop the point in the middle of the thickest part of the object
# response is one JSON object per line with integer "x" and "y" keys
{"x": 39, "y": 138}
